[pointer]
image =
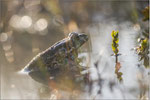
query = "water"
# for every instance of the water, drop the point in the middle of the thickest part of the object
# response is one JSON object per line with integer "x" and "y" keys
{"x": 22, "y": 86}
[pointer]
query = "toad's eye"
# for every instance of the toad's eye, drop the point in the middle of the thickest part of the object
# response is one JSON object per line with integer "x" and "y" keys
{"x": 77, "y": 37}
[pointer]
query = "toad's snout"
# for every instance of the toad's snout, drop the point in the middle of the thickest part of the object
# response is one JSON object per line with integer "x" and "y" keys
{"x": 84, "y": 37}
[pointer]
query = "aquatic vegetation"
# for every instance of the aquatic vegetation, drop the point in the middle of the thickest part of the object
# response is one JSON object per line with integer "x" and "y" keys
{"x": 143, "y": 48}
{"x": 115, "y": 44}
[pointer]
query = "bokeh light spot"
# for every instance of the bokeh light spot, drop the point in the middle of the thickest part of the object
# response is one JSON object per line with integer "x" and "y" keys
{"x": 10, "y": 59}
{"x": 41, "y": 24}
{"x": 7, "y": 47}
{"x": 8, "y": 54}
{"x": 15, "y": 21}
{"x": 13, "y": 86}
{"x": 26, "y": 22}
{"x": 3, "y": 37}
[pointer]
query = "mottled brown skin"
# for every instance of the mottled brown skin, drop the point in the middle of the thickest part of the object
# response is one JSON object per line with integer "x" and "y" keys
{"x": 57, "y": 60}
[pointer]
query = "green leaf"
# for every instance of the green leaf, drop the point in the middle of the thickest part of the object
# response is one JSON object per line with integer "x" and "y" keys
{"x": 144, "y": 44}
{"x": 146, "y": 13}
{"x": 113, "y": 48}
{"x": 114, "y": 34}
{"x": 115, "y": 41}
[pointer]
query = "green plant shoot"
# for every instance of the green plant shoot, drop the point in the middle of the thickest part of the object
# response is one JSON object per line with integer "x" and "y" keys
{"x": 115, "y": 41}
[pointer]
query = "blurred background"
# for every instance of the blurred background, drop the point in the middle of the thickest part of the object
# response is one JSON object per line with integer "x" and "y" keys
{"x": 28, "y": 27}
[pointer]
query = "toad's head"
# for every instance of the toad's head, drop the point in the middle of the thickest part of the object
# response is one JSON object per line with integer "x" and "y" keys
{"x": 78, "y": 39}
